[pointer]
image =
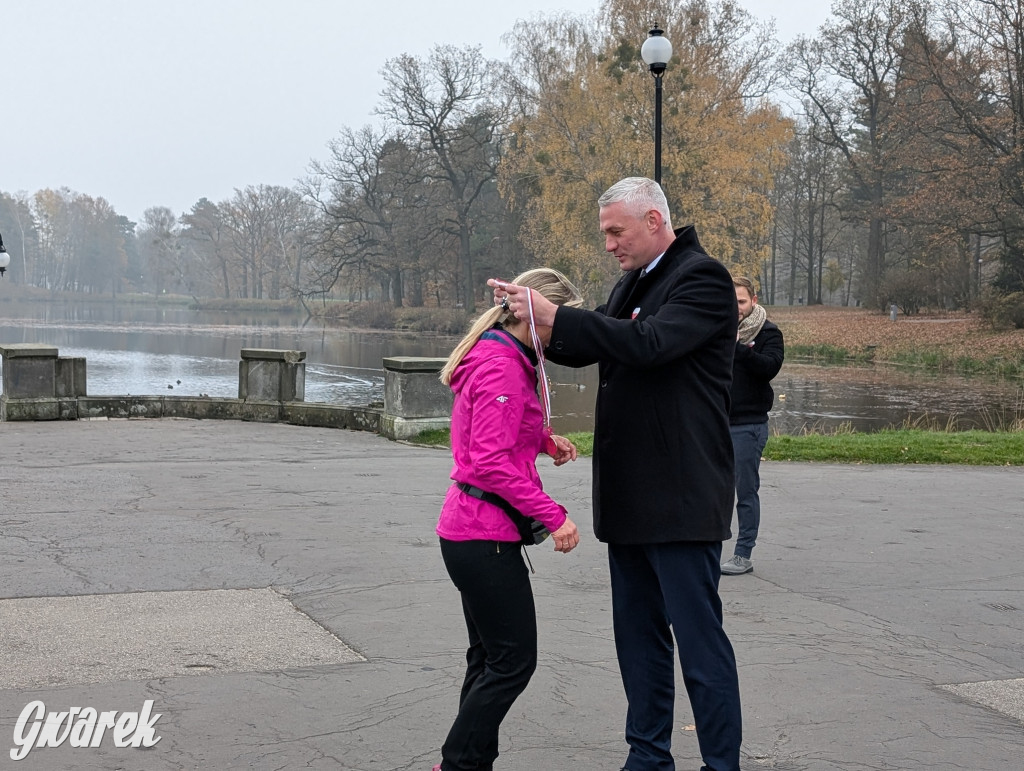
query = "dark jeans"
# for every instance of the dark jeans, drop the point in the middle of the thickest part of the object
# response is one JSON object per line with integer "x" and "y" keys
{"x": 658, "y": 590}
{"x": 748, "y": 443}
{"x": 497, "y": 601}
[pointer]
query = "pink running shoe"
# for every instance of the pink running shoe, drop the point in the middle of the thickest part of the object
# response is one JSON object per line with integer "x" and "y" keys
{"x": 436, "y": 768}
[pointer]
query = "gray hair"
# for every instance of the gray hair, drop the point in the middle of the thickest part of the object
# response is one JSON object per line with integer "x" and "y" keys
{"x": 641, "y": 195}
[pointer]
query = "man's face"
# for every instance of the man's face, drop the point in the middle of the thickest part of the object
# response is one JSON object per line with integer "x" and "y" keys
{"x": 629, "y": 238}
{"x": 745, "y": 301}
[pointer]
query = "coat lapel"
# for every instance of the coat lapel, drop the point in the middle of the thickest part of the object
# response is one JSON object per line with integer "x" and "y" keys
{"x": 626, "y": 294}
{"x": 622, "y": 293}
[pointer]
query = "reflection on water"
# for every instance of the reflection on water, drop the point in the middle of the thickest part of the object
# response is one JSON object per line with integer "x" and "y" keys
{"x": 139, "y": 350}
{"x": 872, "y": 398}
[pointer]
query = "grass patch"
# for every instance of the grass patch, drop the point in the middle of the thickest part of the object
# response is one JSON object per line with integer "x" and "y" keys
{"x": 584, "y": 441}
{"x": 966, "y": 448}
{"x": 823, "y": 353}
{"x": 436, "y": 437}
{"x": 939, "y": 361}
{"x": 969, "y": 448}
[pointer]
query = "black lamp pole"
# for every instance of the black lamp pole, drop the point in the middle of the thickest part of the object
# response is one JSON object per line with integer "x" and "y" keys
{"x": 657, "y": 126}
{"x": 656, "y": 52}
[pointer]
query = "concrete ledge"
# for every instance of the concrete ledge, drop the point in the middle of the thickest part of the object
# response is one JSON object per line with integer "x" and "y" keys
{"x": 416, "y": 393}
{"x": 394, "y": 427}
{"x": 414, "y": 363}
{"x": 121, "y": 406}
{"x": 38, "y": 409}
{"x": 39, "y": 385}
{"x": 202, "y": 408}
{"x": 198, "y": 408}
{"x": 332, "y": 416}
{"x": 256, "y": 411}
{"x": 27, "y": 350}
{"x": 272, "y": 354}
{"x": 70, "y": 376}
{"x": 207, "y": 408}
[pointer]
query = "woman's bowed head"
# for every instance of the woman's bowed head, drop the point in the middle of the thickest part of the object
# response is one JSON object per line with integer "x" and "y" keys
{"x": 548, "y": 284}
{"x": 549, "y": 287}
{"x": 519, "y": 301}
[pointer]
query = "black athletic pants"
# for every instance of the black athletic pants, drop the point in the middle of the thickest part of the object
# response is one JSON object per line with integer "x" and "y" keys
{"x": 497, "y": 601}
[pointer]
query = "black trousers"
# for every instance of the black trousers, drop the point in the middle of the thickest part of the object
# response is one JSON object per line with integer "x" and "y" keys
{"x": 497, "y": 601}
{"x": 659, "y": 590}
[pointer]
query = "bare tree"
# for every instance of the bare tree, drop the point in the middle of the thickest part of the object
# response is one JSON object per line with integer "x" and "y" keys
{"x": 846, "y": 78}
{"x": 159, "y": 249}
{"x": 264, "y": 225}
{"x": 205, "y": 234}
{"x": 381, "y": 206}
{"x": 973, "y": 52}
{"x": 455, "y": 106}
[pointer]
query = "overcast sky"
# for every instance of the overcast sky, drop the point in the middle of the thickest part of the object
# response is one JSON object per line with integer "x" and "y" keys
{"x": 149, "y": 103}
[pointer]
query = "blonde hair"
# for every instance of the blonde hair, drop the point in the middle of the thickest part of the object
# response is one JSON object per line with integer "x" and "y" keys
{"x": 551, "y": 285}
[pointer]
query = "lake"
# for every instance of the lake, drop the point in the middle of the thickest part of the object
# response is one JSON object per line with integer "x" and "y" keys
{"x": 133, "y": 349}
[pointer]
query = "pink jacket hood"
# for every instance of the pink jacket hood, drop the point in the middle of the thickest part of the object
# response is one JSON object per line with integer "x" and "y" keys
{"x": 497, "y": 433}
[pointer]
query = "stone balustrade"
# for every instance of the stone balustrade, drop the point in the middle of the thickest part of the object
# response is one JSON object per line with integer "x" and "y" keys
{"x": 415, "y": 400}
{"x": 38, "y": 384}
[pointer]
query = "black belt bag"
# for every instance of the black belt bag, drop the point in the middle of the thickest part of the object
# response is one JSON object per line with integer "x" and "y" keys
{"x": 530, "y": 530}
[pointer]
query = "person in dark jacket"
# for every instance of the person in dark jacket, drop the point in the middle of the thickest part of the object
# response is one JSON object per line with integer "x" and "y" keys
{"x": 663, "y": 466}
{"x": 758, "y": 359}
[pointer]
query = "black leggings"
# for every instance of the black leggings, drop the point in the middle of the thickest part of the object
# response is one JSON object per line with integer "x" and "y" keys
{"x": 497, "y": 600}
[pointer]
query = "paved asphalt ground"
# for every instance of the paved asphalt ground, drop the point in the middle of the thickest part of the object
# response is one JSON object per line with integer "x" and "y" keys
{"x": 278, "y": 594}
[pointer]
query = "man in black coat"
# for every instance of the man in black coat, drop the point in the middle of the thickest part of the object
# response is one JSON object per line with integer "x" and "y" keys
{"x": 663, "y": 466}
{"x": 759, "y": 354}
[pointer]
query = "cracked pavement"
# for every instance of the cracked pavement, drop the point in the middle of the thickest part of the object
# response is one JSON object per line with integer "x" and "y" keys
{"x": 882, "y": 628}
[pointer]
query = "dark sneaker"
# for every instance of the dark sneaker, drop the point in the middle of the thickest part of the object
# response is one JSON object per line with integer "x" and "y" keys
{"x": 737, "y": 566}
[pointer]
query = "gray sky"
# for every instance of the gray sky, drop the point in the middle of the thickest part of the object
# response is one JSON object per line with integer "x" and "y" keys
{"x": 150, "y": 103}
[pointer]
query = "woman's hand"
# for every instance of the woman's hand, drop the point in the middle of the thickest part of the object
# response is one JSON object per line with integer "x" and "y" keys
{"x": 567, "y": 537}
{"x": 563, "y": 450}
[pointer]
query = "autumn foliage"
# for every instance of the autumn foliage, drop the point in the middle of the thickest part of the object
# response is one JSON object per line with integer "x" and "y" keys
{"x": 590, "y": 123}
{"x": 936, "y": 340}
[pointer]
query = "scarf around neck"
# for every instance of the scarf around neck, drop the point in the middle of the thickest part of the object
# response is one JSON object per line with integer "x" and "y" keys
{"x": 750, "y": 327}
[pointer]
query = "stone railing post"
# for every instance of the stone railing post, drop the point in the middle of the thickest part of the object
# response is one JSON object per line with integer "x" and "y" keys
{"x": 40, "y": 385}
{"x": 267, "y": 378}
{"x": 414, "y": 399}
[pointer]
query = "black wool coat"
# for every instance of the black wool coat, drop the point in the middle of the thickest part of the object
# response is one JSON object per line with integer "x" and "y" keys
{"x": 663, "y": 463}
{"x": 753, "y": 368}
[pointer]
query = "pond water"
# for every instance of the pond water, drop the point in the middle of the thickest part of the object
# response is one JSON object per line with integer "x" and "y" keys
{"x": 131, "y": 349}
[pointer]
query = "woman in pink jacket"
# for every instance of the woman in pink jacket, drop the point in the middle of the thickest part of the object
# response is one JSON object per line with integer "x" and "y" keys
{"x": 499, "y": 427}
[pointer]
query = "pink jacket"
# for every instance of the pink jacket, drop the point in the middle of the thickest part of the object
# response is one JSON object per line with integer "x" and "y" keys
{"x": 497, "y": 434}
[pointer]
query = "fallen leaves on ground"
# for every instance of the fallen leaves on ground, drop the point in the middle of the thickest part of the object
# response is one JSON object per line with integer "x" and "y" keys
{"x": 857, "y": 330}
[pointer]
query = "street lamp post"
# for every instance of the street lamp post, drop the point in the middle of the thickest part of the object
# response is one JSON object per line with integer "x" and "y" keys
{"x": 656, "y": 51}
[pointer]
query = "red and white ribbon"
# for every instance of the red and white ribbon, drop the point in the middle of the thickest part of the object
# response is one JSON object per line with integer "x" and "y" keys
{"x": 538, "y": 348}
